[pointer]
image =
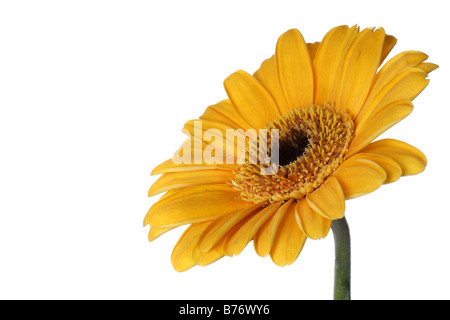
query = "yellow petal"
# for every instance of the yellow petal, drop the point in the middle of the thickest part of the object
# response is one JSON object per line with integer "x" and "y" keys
{"x": 168, "y": 166}
{"x": 389, "y": 43}
{"x": 184, "y": 179}
{"x": 227, "y": 249}
{"x": 392, "y": 168}
{"x": 251, "y": 100}
{"x": 205, "y": 125}
{"x": 183, "y": 252}
{"x": 312, "y": 49}
{"x": 264, "y": 237}
{"x": 213, "y": 143}
{"x": 220, "y": 226}
{"x": 405, "y": 86}
{"x": 328, "y": 200}
{"x": 328, "y": 62}
{"x": 294, "y": 69}
{"x": 359, "y": 177}
{"x": 169, "y": 193}
{"x": 379, "y": 123}
{"x": 288, "y": 241}
{"x": 212, "y": 113}
{"x": 245, "y": 234}
{"x": 155, "y": 232}
{"x": 195, "y": 204}
{"x": 212, "y": 255}
{"x": 312, "y": 224}
{"x": 267, "y": 76}
{"x": 427, "y": 67}
{"x": 411, "y": 160}
{"x": 396, "y": 65}
{"x": 194, "y": 160}
{"x": 360, "y": 65}
{"x": 224, "y": 112}
{"x": 208, "y": 144}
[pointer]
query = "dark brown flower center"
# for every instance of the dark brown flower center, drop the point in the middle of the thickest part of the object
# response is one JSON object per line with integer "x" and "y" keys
{"x": 292, "y": 146}
{"x": 312, "y": 144}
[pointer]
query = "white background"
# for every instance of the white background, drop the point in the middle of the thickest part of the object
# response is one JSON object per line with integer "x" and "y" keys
{"x": 93, "y": 95}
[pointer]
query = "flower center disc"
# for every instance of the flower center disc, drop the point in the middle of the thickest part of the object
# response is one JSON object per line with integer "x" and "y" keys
{"x": 312, "y": 144}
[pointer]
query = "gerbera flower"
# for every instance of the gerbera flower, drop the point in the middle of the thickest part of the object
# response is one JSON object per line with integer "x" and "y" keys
{"x": 328, "y": 101}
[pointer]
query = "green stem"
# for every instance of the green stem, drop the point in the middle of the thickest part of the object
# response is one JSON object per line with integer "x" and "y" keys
{"x": 341, "y": 235}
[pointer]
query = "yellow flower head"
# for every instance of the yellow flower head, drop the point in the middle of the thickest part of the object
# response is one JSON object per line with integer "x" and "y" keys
{"x": 325, "y": 102}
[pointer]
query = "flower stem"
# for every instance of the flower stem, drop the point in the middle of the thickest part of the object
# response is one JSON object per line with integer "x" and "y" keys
{"x": 341, "y": 235}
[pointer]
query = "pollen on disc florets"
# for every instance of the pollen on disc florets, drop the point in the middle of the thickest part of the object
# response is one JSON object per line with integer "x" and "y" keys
{"x": 312, "y": 144}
